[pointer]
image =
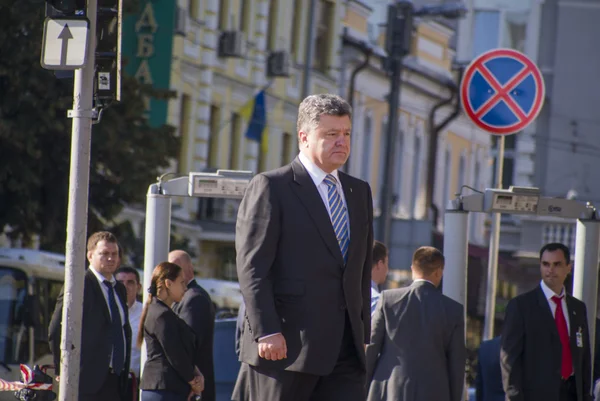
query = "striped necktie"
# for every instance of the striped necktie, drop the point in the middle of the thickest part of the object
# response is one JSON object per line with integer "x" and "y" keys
{"x": 339, "y": 215}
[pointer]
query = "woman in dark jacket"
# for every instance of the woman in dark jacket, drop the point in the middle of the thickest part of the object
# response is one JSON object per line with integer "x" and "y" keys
{"x": 169, "y": 372}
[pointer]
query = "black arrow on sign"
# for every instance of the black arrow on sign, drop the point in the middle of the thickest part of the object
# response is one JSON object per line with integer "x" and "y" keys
{"x": 64, "y": 35}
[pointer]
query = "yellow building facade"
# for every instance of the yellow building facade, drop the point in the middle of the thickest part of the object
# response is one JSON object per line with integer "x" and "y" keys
{"x": 213, "y": 90}
{"x": 428, "y": 79}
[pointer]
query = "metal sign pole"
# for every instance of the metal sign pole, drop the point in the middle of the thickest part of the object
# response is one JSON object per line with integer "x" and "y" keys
{"x": 157, "y": 237}
{"x": 492, "y": 275}
{"x": 77, "y": 210}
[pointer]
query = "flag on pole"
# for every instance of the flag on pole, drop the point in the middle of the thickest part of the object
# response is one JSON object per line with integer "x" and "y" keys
{"x": 255, "y": 112}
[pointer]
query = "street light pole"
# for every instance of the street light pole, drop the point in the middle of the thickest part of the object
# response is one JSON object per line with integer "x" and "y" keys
{"x": 398, "y": 39}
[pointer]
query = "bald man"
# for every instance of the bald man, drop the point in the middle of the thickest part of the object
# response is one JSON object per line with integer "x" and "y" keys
{"x": 197, "y": 309}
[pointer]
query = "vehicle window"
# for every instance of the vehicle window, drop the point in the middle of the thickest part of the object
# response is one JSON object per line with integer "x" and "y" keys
{"x": 46, "y": 293}
{"x": 14, "y": 335}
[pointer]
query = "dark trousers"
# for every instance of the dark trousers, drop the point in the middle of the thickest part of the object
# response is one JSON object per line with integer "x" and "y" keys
{"x": 568, "y": 389}
{"x": 345, "y": 383}
{"x": 110, "y": 390}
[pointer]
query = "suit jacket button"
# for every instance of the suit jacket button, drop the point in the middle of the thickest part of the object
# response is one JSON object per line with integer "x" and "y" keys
{"x": 342, "y": 307}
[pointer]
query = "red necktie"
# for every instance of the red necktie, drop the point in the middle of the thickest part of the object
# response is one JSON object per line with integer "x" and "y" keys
{"x": 561, "y": 324}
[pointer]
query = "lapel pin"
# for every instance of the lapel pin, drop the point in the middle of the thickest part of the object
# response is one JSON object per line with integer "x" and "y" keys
{"x": 350, "y": 189}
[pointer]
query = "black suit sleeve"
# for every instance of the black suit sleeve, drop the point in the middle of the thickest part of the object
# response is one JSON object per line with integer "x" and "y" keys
{"x": 456, "y": 356}
{"x": 511, "y": 353}
{"x": 377, "y": 335}
{"x": 587, "y": 359}
{"x": 596, "y": 375}
{"x": 54, "y": 331}
{"x": 197, "y": 314}
{"x": 257, "y": 235}
{"x": 167, "y": 333}
{"x": 368, "y": 265}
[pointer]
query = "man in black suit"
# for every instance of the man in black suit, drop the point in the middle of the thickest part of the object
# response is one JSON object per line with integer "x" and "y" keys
{"x": 105, "y": 332}
{"x": 197, "y": 310}
{"x": 488, "y": 382}
{"x": 304, "y": 240}
{"x": 545, "y": 351}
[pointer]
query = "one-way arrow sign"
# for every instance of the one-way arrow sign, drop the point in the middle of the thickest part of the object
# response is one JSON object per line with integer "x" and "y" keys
{"x": 65, "y": 43}
{"x": 65, "y": 35}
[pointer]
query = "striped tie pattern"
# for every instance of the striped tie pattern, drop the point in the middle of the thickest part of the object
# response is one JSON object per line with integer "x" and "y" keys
{"x": 339, "y": 215}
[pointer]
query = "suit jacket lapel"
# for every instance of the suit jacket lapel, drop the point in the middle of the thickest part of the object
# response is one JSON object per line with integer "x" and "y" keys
{"x": 304, "y": 187}
{"x": 355, "y": 235}
{"x": 546, "y": 314}
{"x": 574, "y": 326}
{"x": 99, "y": 295}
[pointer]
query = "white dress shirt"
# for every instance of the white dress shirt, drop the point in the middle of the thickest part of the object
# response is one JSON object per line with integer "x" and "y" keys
{"x": 318, "y": 177}
{"x": 375, "y": 294}
{"x": 549, "y": 294}
{"x": 135, "y": 314}
{"x": 104, "y": 289}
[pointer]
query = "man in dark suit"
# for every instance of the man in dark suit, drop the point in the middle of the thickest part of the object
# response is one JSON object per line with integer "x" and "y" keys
{"x": 197, "y": 310}
{"x": 488, "y": 382}
{"x": 596, "y": 364}
{"x": 424, "y": 355}
{"x": 105, "y": 331}
{"x": 545, "y": 351}
{"x": 304, "y": 239}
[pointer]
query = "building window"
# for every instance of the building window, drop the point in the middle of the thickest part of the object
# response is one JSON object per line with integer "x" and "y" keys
{"x": 246, "y": 18}
{"x": 486, "y": 28}
{"x": 296, "y": 25}
{"x": 475, "y": 218}
{"x": 447, "y": 178}
{"x": 272, "y": 26}
{"x": 515, "y": 30}
{"x": 382, "y": 152}
{"x": 398, "y": 166}
{"x": 223, "y": 15}
{"x": 366, "y": 150}
{"x": 559, "y": 232}
{"x": 462, "y": 165}
{"x": 193, "y": 8}
{"x": 213, "y": 137}
{"x": 416, "y": 176}
{"x": 286, "y": 148}
{"x": 236, "y": 142}
{"x": 322, "y": 38}
{"x": 184, "y": 129}
{"x": 506, "y": 27}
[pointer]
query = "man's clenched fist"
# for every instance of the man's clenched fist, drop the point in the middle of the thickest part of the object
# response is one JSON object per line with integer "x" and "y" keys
{"x": 272, "y": 348}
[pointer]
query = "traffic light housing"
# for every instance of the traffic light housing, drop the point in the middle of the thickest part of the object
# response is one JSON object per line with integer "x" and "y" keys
{"x": 108, "y": 52}
{"x": 64, "y": 8}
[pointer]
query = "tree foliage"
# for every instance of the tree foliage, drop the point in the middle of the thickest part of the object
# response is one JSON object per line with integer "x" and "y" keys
{"x": 126, "y": 153}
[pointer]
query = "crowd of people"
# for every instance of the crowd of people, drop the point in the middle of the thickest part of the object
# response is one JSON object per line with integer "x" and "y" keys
{"x": 314, "y": 325}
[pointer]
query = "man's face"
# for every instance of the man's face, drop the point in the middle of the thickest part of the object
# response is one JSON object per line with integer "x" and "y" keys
{"x": 554, "y": 268}
{"x": 328, "y": 146}
{"x": 380, "y": 271}
{"x": 129, "y": 280}
{"x": 105, "y": 258}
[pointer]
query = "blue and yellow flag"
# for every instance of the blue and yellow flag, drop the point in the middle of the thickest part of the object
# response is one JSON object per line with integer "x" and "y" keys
{"x": 255, "y": 112}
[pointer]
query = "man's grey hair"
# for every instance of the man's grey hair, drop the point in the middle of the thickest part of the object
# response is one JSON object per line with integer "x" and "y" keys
{"x": 314, "y": 106}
